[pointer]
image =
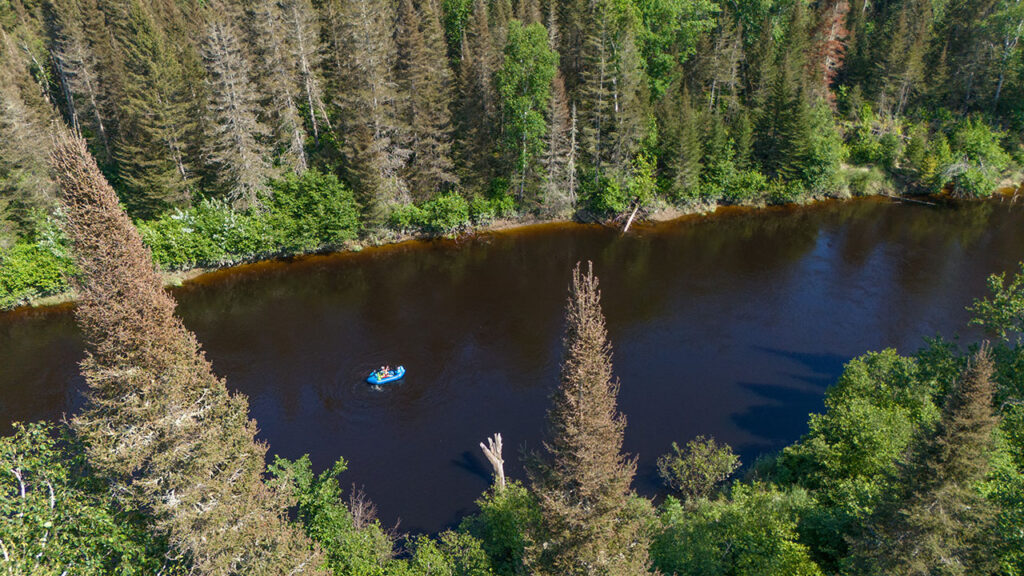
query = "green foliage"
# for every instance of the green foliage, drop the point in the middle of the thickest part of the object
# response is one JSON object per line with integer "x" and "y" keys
{"x": 446, "y": 214}
{"x": 210, "y": 234}
{"x": 55, "y": 516}
{"x": 605, "y": 197}
{"x": 311, "y": 211}
{"x": 1002, "y": 313}
{"x": 752, "y": 533}
{"x": 670, "y": 34}
{"x": 505, "y": 518}
{"x": 304, "y": 214}
{"x": 30, "y": 270}
{"x": 696, "y": 471}
{"x": 976, "y": 161}
{"x": 453, "y": 554}
{"x": 352, "y": 546}
{"x": 849, "y": 456}
{"x": 745, "y": 186}
{"x": 524, "y": 87}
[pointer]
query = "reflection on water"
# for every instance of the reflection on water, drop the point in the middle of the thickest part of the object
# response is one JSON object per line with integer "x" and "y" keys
{"x": 731, "y": 325}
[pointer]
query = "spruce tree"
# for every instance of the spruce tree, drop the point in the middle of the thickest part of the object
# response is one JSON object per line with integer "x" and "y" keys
{"x": 160, "y": 427}
{"x": 361, "y": 78}
{"x": 156, "y": 125}
{"x": 26, "y": 186}
{"x": 591, "y": 523}
{"x": 611, "y": 109}
{"x": 302, "y": 32}
{"x": 941, "y": 523}
{"x": 231, "y": 146}
{"x": 277, "y": 83}
{"x": 478, "y": 104}
{"x": 425, "y": 82}
{"x": 90, "y": 105}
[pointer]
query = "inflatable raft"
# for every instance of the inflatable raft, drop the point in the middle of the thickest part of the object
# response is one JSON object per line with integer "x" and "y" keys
{"x": 396, "y": 374}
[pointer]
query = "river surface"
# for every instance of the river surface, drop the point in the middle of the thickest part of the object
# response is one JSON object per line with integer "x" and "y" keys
{"x": 730, "y": 325}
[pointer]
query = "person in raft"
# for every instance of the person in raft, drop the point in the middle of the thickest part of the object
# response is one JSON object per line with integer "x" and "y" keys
{"x": 384, "y": 372}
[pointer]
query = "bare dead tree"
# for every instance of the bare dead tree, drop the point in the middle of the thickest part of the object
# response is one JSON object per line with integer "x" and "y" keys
{"x": 493, "y": 452}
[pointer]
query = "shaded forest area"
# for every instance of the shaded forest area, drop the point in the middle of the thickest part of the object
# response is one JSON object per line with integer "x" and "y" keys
{"x": 233, "y": 130}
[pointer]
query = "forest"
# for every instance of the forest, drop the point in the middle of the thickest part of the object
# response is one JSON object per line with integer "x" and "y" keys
{"x": 234, "y": 131}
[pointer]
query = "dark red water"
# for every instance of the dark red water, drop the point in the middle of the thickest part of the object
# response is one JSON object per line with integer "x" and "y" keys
{"x": 731, "y": 325}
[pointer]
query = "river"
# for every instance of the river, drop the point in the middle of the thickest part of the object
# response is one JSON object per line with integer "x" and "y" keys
{"x": 730, "y": 325}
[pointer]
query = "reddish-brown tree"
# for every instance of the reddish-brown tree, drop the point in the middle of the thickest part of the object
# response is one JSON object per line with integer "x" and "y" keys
{"x": 173, "y": 442}
{"x": 591, "y": 522}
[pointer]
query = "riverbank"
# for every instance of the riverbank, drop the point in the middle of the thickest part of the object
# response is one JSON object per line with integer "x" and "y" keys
{"x": 661, "y": 213}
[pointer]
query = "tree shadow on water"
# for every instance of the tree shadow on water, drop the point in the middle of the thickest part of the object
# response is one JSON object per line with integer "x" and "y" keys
{"x": 471, "y": 463}
{"x": 781, "y": 416}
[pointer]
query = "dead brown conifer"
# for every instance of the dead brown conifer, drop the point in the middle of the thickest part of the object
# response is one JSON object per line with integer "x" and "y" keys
{"x": 160, "y": 425}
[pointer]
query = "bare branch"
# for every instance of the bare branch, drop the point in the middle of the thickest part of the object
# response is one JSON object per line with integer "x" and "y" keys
{"x": 493, "y": 453}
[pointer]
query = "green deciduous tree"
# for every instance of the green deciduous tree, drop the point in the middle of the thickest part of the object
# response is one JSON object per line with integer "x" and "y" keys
{"x": 524, "y": 85}
{"x": 939, "y": 523}
{"x": 697, "y": 470}
{"x": 55, "y": 515}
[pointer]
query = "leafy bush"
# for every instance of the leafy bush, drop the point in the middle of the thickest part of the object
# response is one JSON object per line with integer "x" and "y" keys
{"x": 406, "y": 218}
{"x": 745, "y": 186}
{"x": 604, "y": 197}
{"x": 56, "y": 517}
{"x": 33, "y": 269}
{"x": 445, "y": 214}
{"x": 753, "y": 533}
{"x": 695, "y": 472}
{"x": 311, "y": 211}
{"x": 975, "y": 161}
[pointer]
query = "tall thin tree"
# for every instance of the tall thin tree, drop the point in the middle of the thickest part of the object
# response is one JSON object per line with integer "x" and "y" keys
{"x": 591, "y": 523}
{"x": 160, "y": 426}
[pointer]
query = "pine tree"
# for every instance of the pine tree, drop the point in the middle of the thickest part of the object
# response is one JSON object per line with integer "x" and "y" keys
{"x": 160, "y": 427}
{"x": 941, "y": 524}
{"x": 277, "y": 83}
{"x": 302, "y": 33}
{"x": 478, "y": 105}
{"x": 156, "y": 125}
{"x": 361, "y": 77}
{"x": 591, "y": 523}
{"x": 231, "y": 147}
{"x": 425, "y": 82}
{"x": 89, "y": 102}
{"x": 611, "y": 111}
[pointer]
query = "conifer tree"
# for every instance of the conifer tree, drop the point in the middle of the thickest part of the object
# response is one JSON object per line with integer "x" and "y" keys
{"x": 302, "y": 31}
{"x": 156, "y": 126}
{"x": 941, "y": 523}
{"x": 231, "y": 146}
{"x": 278, "y": 83}
{"x": 478, "y": 104}
{"x": 611, "y": 111}
{"x": 361, "y": 76}
{"x": 160, "y": 427}
{"x": 558, "y": 190}
{"x": 590, "y": 522}
{"x": 425, "y": 82}
{"x": 77, "y": 29}
{"x": 26, "y": 186}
